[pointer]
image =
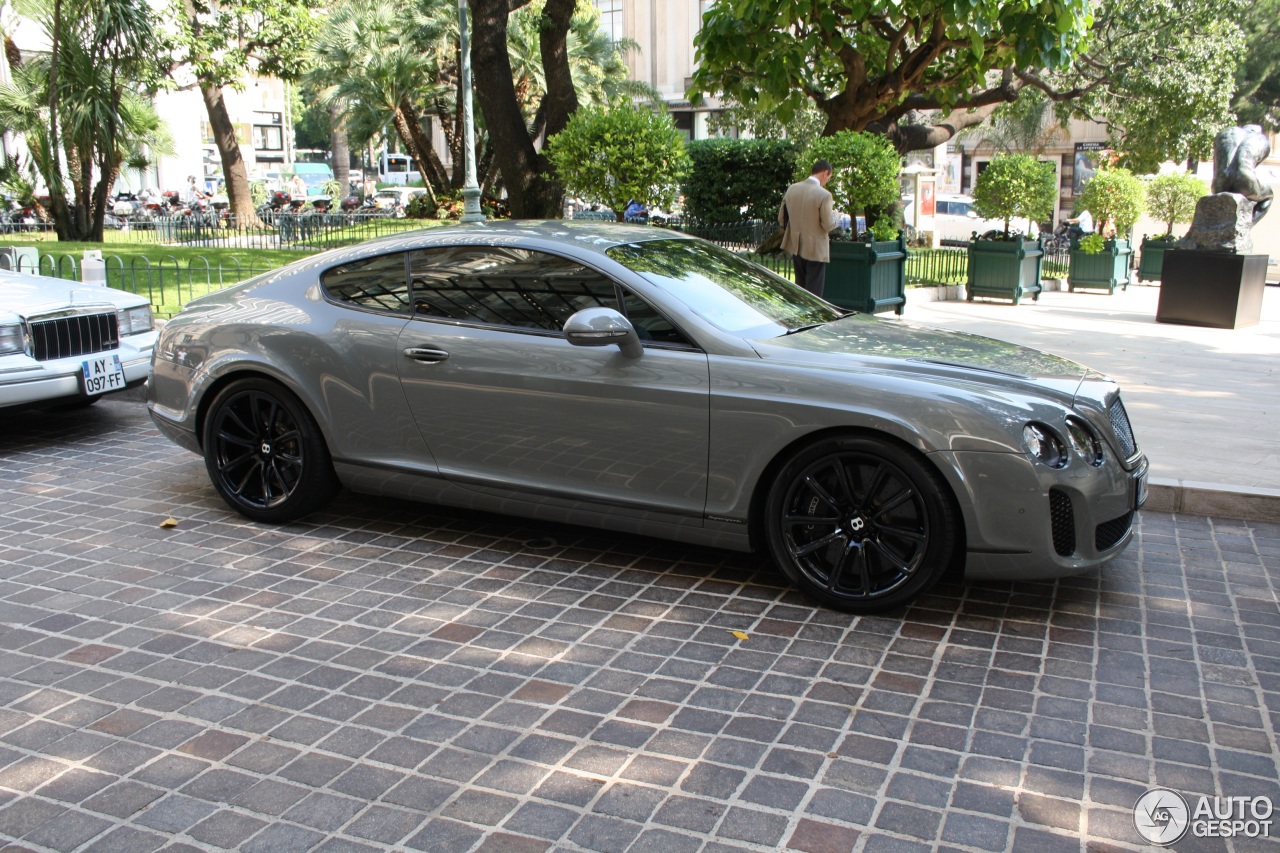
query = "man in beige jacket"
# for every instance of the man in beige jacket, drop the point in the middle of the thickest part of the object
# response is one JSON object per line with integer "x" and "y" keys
{"x": 808, "y": 218}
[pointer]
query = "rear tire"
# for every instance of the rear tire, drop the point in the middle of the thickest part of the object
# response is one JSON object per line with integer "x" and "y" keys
{"x": 860, "y": 524}
{"x": 265, "y": 454}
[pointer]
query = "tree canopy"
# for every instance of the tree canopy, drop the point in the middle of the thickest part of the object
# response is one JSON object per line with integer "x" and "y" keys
{"x": 219, "y": 42}
{"x": 617, "y": 154}
{"x": 1158, "y": 72}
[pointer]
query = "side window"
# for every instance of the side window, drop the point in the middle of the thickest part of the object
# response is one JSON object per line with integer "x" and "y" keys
{"x": 649, "y": 324}
{"x": 377, "y": 284}
{"x": 504, "y": 287}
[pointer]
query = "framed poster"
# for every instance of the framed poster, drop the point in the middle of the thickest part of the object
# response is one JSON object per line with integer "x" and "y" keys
{"x": 1088, "y": 157}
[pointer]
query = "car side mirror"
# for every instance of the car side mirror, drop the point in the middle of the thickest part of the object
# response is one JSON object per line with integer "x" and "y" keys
{"x": 600, "y": 327}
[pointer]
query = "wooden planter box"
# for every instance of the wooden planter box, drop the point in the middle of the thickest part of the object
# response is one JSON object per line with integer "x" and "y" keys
{"x": 1152, "y": 259}
{"x": 1002, "y": 269}
{"x": 1106, "y": 270}
{"x": 868, "y": 277}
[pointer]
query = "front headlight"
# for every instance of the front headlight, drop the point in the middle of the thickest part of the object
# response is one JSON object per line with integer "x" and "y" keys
{"x": 12, "y": 339}
{"x": 134, "y": 321}
{"x": 1084, "y": 442}
{"x": 1045, "y": 447}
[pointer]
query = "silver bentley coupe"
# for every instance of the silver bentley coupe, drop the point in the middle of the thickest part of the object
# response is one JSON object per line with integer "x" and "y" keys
{"x": 637, "y": 379}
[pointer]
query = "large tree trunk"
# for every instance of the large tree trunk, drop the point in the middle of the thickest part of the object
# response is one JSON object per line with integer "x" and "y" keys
{"x": 409, "y": 129}
{"x": 240, "y": 200}
{"x": 531, "y": 187}
{"x": 340, "y": 152}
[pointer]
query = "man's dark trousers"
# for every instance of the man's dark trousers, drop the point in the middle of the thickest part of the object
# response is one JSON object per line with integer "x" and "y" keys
{"x": 811, "y": 275}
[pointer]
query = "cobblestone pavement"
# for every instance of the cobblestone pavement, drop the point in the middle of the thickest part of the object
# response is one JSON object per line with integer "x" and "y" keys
{"x": 401, "y": 677}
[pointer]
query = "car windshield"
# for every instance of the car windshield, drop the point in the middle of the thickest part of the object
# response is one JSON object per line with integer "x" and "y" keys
{"x": 727, "y": 291}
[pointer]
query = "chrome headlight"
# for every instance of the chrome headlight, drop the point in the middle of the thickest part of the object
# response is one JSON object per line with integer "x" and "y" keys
{"x": 12, "y": 339}
{"x": 1084, "y": 442}
{"x": 1045, "y": 447}
{"x": 134, "y": 321}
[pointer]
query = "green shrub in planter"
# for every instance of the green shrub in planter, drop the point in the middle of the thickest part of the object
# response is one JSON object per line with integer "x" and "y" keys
{"x": 870, "y": 275}
{"x": 1099, "y": 264}
{"x": 1092, "y": 244}
{"x": 1114, "y": 197}
{"x": 1015, "y": 186}
{"x": 864, "y": 177}
{"x": 1171, "y": 199}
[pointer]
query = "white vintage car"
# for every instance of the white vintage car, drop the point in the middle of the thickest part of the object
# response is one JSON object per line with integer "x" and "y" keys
{"x": 62, "y": 342}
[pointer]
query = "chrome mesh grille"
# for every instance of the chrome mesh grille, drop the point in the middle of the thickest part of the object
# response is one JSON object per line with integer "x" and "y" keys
{"x": 1063, "y": 520}
{"x": 1124, "y": 432}
{"x": 65, "y": 337}
{"x": 1108, "y": 533}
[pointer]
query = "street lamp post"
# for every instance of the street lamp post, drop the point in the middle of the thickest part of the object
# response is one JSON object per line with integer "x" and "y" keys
{"x": 470, "y": 189}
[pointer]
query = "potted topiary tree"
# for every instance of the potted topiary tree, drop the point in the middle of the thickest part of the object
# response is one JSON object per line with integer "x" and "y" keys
{"x": 624, "y": 152}
{"x": 868, "y": 271}
{"x": 1115, "y": 198}
{"x": 1013, "y": 186}
{"x": 1171, "y": 199}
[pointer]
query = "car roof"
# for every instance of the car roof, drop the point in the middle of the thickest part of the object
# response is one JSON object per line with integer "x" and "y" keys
{"x": 591, "y": 236}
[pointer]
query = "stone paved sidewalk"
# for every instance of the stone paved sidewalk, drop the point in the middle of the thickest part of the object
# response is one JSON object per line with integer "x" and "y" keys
{"x": 388, "y": 677}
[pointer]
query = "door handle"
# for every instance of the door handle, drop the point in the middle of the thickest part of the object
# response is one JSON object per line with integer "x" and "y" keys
{"x": 426, "y": 355}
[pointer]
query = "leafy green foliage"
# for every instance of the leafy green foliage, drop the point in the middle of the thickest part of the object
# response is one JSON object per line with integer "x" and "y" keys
{"x": 864, "y": 177}
{"x": 1015, "y": 186}
{"x": 859, "y": 61}
{"x": 1159, "y": 72}
{"x": 421, "y": 207}
{"x": 1257, "y": 99}
{"x": 1172, "y": 198}
{"x": 618, "y": 154}
{"x": 733, "y": 179}
{"x": 258, "y": 192}
{"x": 1092, "y": 243}
{"x": 1115, "y": 197}
{"x": 804, "y": 127}
{"x": 884, "y": 228}
{"x": 223, "y": 39}
{"x": 1170, "y": 74}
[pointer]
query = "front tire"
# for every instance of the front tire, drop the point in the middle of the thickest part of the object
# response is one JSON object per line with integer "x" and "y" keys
{"x": 265, "y": 454}
{"x": 860, "y": 524}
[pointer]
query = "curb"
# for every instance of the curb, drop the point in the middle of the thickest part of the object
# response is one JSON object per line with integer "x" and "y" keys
{"x": 1190, "y": 498}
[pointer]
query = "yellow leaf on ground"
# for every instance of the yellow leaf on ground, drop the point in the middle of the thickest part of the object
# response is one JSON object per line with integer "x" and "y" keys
{"x": 741, "y": 635}
{"x": 169, "y": 522}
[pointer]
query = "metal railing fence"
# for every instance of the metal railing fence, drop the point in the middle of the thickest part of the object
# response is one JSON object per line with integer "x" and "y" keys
{"x": 308, "y": 231}
{"x": 168, "y": 283}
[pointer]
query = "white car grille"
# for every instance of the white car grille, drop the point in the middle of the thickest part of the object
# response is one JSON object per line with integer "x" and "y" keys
{"x": 82, "y": 334}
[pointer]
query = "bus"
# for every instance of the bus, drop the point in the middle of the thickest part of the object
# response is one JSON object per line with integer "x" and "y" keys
{"x": 310, "y": 155}
{"x": 397, "y": 169}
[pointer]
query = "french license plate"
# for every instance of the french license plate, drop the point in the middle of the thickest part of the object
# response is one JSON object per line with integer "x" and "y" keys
{"x": 1140, "y": 487}
{"x": 101, "y": 375}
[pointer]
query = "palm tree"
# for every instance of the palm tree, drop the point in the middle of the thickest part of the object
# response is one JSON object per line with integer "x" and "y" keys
{"x": 79, "y": 106}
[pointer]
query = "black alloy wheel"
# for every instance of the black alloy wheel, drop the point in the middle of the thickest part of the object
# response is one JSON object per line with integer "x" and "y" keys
{"x": 860, "y": 524}
{"x": 265, "y": 454}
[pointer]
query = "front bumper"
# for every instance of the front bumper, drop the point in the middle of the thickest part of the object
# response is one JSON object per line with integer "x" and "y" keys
{"x": 1025, "y": 521}
{"x": 26, "y": 382}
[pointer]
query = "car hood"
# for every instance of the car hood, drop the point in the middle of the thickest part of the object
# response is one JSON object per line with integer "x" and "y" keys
{"x": 23, "y": 295}
{"x": 863, "y": 342}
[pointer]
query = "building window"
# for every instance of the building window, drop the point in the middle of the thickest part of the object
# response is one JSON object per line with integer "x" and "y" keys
{"x": 611, "y": 18}
{"x": 268, "y": 137}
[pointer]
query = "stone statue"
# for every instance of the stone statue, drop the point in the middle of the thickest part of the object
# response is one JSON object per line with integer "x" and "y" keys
{"x": 1237, "y": 151}
{"x": 1223, "y": 220}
